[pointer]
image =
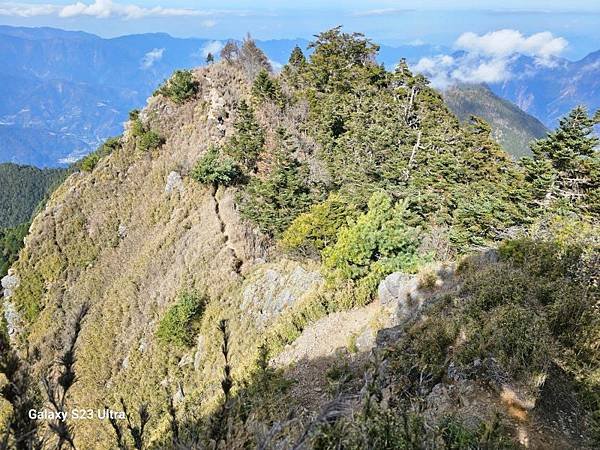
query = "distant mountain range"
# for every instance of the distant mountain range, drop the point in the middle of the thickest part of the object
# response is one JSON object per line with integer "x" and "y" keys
{"x": 513, "y": 127}
{"x": 65, "y": 92}
{"x": 549, "y": 92}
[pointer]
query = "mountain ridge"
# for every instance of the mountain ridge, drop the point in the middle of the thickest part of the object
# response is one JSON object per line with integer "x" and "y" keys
{"x": 241, "y": 211}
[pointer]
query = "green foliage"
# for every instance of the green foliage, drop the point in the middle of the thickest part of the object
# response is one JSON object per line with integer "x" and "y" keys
{"x": 180, "y": 87}
{"x": 565, "y": 168}
{"x": 216, "y": 169}
{"x": 295, "y": 67}
{"x": 297, "y": 58}
{"x": 246, "y": 144}
{"x": 145, "y": 138}
{"x": 11, "y": 242}
{"x": 340, "y": 59}
{"x": 23, "y": 189}
{"x": 150, "y": 140}
{"x": 534, "y": 306}
{"x": 178, "y": 325}
{"x": 384, "y": 428}
{"x": 89, "y": 162}
{"x": 379, "y": 243}
{"x": 137, "y": 127}
{"x": 265, "y": 88}
{"x": 318, "y": 227}
{"x": 517, "y": 337}
{"x": 272, "y": 203}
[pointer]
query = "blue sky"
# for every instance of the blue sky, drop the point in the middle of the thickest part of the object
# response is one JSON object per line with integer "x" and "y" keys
{"x": 391, "y": 22}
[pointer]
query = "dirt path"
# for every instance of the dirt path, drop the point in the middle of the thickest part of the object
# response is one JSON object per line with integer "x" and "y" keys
{"x": 324, "y": 345}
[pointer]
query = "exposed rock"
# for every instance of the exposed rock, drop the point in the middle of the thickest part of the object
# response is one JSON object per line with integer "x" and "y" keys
{"x": 186, "y": 360}
{"x": 122, "y": 231}
{"x": 174, "y": 183}
{"x": 9, "y": 283}
{"x": 401, "y": 293}
{"x": 273, "y": 290}
{"x": 392, "y": 287}
{"x": 143, "y": 345}
{"x": 366, "y": 340}
{"x": 405, "y": 294}
{"x": 179, "y": 395}
{"x": 388, "y": 336}
{"x": 12, "y": 318}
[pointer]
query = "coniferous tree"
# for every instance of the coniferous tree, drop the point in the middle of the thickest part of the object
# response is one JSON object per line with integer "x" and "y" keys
{"x": 272, "y": 203}
{"x": 340, "y": 60}
{"x": 210, "y": 58}
{"x": 247, "y": 142}
{"x": 565, "y": 168}
{"x": 263, "y": 87}
{"x": 297, "y": 59}
{"x": 295, "y": 67}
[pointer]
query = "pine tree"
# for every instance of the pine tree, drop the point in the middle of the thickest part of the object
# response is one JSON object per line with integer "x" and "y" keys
{"x": 275, "y": 201}
{"x": 246, "y": 144}
{"x": 263, "y": 87}
{"x": 210, "y": 58}
{"x": 565, "y": 167}
{"x": 295, "y": 67}
{"x": 297, "y": 59}
{"x": 266, "y": 88}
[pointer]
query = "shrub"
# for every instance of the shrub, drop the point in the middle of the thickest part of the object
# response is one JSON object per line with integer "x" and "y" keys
{"x": 149, "y": 140}
{"x": 179, "y": 325}
{"x": 215, "y": 169}
{"x": 318, "y": 227}
{"x": 379, "y": 243}
{"x": 180, "y": 87}
{"x": 137, "y": 127}
{"x": 517, "y": 337}
{"x": 88, "y": 163}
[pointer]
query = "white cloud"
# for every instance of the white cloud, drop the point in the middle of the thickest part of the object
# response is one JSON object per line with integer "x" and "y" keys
{"x": 504, "y": 43}
{"x": 209, "y": 23}
{"x": 489, "y": 58}
{"x": 277, "y": 66}
{"x": 27, "y": 10}
{"x": 381, "y": 12}
{"x": 213, "y": 47}
{"x": 151, "y": 57}
{"x": 101, "y": 9}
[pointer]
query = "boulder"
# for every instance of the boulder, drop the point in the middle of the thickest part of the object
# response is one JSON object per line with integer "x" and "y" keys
{"x": 9, "y": 283}
{"x": 174, "y": 183}
{"x": 402, "y": 294}
{"x": 273, "y": 290}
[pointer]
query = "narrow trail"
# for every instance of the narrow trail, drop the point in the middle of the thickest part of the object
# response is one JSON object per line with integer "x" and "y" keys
{"x": 237, "y": 261}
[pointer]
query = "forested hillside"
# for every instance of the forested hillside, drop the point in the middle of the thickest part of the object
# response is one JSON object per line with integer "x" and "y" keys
{"x": 513, "y": 128}
{"x": 22, "y": 189}
{"x": 321, "y": 258}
